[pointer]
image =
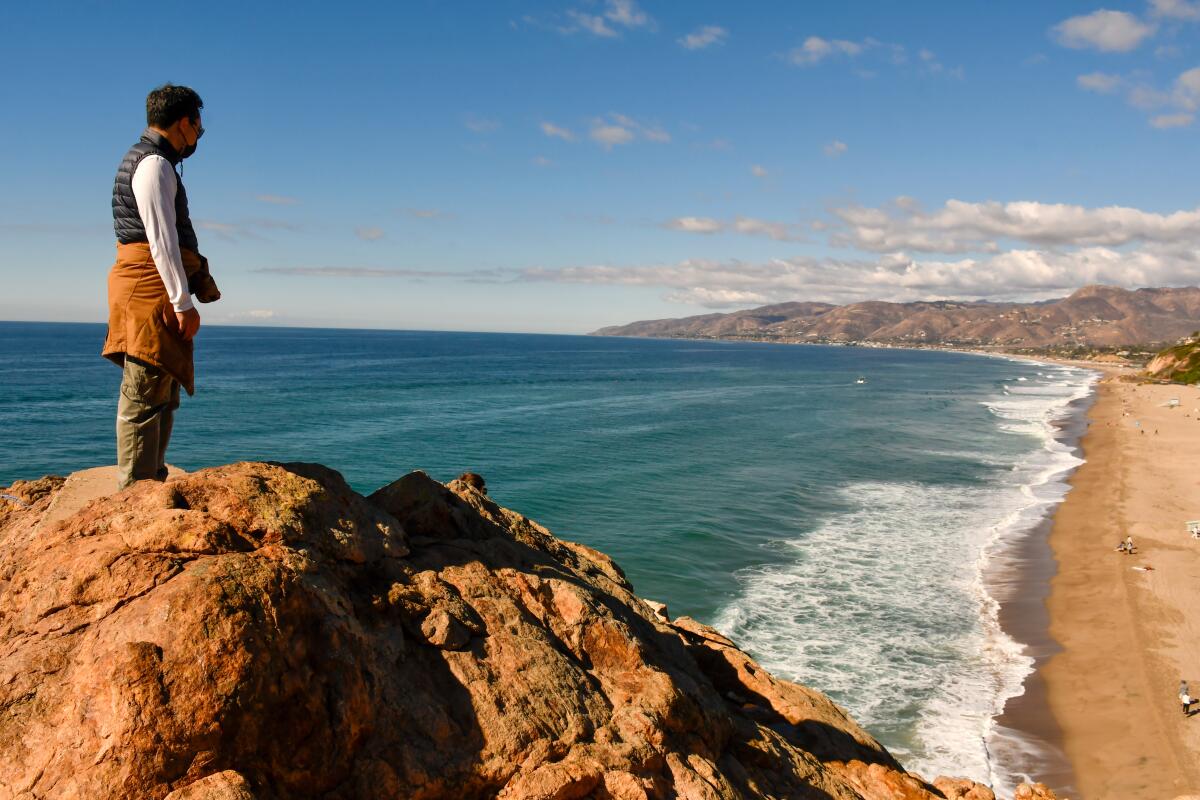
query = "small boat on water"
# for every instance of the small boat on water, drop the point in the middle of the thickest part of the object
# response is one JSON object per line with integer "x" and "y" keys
{"x": 861, "y": 380}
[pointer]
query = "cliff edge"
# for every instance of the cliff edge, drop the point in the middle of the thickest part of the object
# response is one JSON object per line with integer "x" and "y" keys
{"x": 262, "y": 631}
{"x": 1178, "y": 364}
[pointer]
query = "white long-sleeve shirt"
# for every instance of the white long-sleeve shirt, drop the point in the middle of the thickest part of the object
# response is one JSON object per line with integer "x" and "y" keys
{"x": 154, "y": 189}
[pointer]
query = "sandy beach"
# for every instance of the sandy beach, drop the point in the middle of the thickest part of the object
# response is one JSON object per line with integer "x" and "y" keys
{"x": 1129, "y": 625}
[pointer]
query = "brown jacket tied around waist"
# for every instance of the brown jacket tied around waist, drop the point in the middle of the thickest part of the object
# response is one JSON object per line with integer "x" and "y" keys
{"x": 138, "y": 305}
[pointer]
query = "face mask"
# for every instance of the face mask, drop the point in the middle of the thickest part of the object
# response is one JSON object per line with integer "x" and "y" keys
{"x": 188, "y": 149}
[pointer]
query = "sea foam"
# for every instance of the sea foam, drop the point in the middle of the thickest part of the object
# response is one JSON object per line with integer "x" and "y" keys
{"x": 886, "y": 606}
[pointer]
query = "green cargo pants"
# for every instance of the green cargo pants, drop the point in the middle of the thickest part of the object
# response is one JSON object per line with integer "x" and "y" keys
{"x": 145, "y": 413}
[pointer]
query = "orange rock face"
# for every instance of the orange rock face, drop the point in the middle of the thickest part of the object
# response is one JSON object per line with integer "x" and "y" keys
{"x": 262, "y": 631}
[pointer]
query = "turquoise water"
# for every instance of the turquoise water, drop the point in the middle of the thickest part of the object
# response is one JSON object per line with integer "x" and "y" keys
{"x": 837, "y": 529}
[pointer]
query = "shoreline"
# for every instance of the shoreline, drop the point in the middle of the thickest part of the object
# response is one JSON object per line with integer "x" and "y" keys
{"x": 1027, "y": 740}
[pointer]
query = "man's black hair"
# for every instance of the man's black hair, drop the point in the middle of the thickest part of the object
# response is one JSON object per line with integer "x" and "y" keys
{"x": 169, "y": 103}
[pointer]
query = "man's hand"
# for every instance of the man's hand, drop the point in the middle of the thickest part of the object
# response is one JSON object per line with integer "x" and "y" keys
{"x": 185, "y": 323}
{"x": 188, "y": 322}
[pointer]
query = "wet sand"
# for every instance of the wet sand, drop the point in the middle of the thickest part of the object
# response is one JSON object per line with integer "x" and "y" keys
{"x": 1028, "y": 740}
{"x": 1126, "y": 636}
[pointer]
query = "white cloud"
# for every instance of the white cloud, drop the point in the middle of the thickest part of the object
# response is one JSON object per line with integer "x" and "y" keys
{"x": 627, "y": 13}
{"x": 1104, "y": 30}
{"x": 704, "y": 37}
{"x": 758, "y": 171}
{"x": 779, "y": 231}
{"x": 276, "y": 199}
{"x": 695, "y": 224}
{"x": 616, "y": 14}
{"x": 618, "y": 129}
{"x": 1100, "y": 82}
{"x": 542, "y": 161}
{"x": 836, "y": 148}
{"x": 369, "y": 234}
{"x": 556, "y": 132}
{"x": 1183, "y": 96}
{"x": 1175, "y": 9}
{"x": 223, "y": 229}
{"x": 1057, "y": 249}
{"x": 1187, "y": 90}
{"x": 746, "y": 226}
{"x": 611, "y": 131}
{"x": 1014, "y": 275}
{"x": 260, "y": 313}
{"x": 718, "y": 298}
{"x": 1173, "y": 120}
{"x": 815, "y": 49}
{"x": 609, "y": 136}
{"x": 962, "y": 227}
{"x": 589, "y": 22}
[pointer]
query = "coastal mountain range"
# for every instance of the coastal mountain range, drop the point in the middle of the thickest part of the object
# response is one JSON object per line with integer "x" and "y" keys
{"x": 1094, "y": 316}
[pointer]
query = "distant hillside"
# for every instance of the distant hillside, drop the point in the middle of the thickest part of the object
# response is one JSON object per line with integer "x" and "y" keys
{"x": 1092, "y": 317}
{"x": 1180, "y": 363}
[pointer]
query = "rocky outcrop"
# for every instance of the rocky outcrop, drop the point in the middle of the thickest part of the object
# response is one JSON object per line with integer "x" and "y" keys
{"x": 262, "y": 631}
{"x": 1093, "y": 316}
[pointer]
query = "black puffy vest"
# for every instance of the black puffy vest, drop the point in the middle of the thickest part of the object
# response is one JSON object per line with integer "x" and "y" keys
{"x": 126, "y": 220}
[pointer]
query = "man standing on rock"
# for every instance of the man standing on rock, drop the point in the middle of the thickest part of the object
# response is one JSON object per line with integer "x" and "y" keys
{"x": 151, "y": 320}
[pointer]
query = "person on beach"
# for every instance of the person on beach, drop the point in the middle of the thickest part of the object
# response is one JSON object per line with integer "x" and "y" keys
{"x": 1185, "y": 698}
{"x": 151, "y": 320}
{"x": 1129, "y": 545}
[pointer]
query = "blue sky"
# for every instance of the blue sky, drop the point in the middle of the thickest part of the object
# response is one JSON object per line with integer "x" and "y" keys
{"x": 537, "y": 166}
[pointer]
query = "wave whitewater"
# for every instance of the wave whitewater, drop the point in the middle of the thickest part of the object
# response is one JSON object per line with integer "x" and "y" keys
{"x": 919, "y": 654}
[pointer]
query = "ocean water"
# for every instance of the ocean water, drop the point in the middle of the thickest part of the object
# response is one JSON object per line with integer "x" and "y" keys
{"x": 839, "y": 531}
